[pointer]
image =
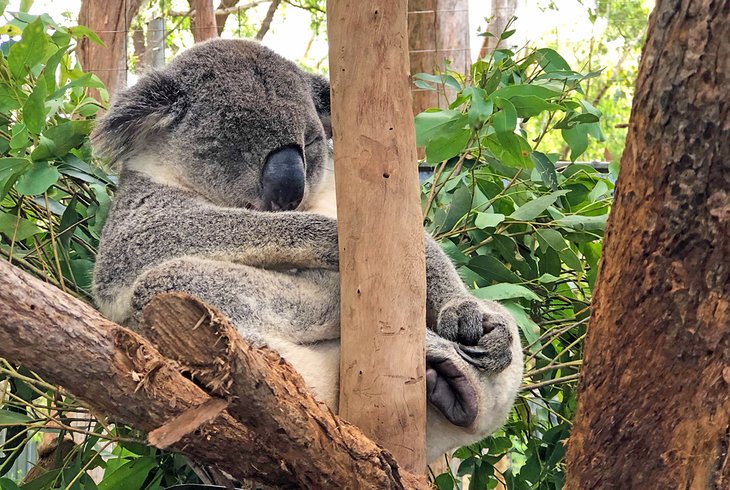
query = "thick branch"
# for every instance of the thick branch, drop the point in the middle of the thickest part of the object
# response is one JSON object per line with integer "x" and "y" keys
{"x": 120, "y": 374}
{"x": 265, "y": 393}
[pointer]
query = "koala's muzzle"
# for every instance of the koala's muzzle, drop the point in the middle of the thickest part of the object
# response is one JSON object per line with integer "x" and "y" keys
{"x": 283, "y": 179}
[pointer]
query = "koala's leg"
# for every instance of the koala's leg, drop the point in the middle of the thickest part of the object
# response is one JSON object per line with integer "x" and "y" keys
{"x": 467, "y": 403}
{"x": 300, "y": 306}
{"x": 295, "y": 313}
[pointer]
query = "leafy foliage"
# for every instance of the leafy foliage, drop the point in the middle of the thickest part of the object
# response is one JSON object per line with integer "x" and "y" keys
{"x": 53, "y": 201}
{"x": 521, "y": 231}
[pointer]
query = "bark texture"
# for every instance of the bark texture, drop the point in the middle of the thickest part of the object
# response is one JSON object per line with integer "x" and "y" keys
{"x": 382, "y": 266}
{"x": 437, "y": 30}
{"x": 120, "y": 374}
{"x": 110, "y": 21}
{"x": 654, "y": 407}
{"x": 502, "y": 12}
{"x": 203, "y": 22}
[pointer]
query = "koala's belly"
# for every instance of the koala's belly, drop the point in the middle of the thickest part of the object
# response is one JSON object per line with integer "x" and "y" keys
{"x": 319, "y": 365}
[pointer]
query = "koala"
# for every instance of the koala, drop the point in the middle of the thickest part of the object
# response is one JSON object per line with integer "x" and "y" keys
{"x": 226, "y": 193}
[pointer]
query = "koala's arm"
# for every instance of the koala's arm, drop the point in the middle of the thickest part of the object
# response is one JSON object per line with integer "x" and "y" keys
{"x": 258, "y": 239}
{"x": 443, "y": 283}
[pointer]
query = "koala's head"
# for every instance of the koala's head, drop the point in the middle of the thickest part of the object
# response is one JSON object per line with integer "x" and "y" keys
{"x": 229, "y": 119}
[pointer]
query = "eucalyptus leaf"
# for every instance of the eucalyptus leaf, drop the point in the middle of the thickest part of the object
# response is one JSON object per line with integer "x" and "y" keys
{"x": 577, "y": 139}
{"x": 488, "y": 220}
{"x": 13, "y": 418}
{"x": 39, "y": 177}
{"x": 546, "y": 169}
{"x": 502, "y": 291}
{"x": 30, "y": 50}
{"x": 532, "y": 209}
{"x": 34, "y": 110}
{"x": 555, "y": 240}
{"x": 583, "y": 223}
{"x": 129, "y": 476}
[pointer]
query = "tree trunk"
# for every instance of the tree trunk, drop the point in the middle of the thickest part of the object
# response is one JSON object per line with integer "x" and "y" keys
{"x": 437, "y": 30}
{"x": 382, "y": 267}
{"x": 654, "y": 406}
{"x": 250, "y": 414}
{"x": 140, "y": 50}
{"x": 110, "y": 21}
{"x": 203, "y": 22}
{"x": 502, "y": 12}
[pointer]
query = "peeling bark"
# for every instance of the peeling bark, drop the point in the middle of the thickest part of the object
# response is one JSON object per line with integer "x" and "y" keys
{"x": 654, "y": 406}
{"x": 120, "y": 374}
{"x": 264, "y": 392}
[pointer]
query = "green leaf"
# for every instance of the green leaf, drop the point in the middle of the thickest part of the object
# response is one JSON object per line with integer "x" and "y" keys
{"x": 577, "y": 139}
{"x": 34, "y": 110}
{"x": 444, "y": 482}
{"x": 505, "y": 291}
{"x": 526, "y": 90}
{"x": 49, "y": 72}
{"x": 505, "y": 121}
{"x": 86, "y": 80}
{"x": 19, "y": 136}
{"x": 488, "y": 220}
{"x": 3, "y": 6}
{"x": 58, "y": 140}
{"x": 548, "y": 278}
{"x": 10, "y": 170}
{"x": 481, "y": 106}
{"x": 507, "y": 34}
{"x": 447, "y": 145}
{"x": 531, "y": 106}
{"x": 13, "y": 418}
{"x": 583, "y": 223}
{"x": 532, "y": 209}
{"x": 555, "y": 240}
{"x": 37, "y": 179}
{"x": 550, "y": 60}
{"x": 443, "y": 133}
{"x": 9, "y": 98}
{"x": 546, "y": 169}
{"x": 460, "y": 204}
{"x": 6, "y": 483}
{"x": 25, "y": 5}
{"x": 43, "y": 482}
{"x": 529, "y": 328}
{"x": 492, "y": 269}
{"x": 29, "y": 51}
{"x": 82, "y": 31}
{"x": 511, "y": 149}
{"x": 129, "y": 476}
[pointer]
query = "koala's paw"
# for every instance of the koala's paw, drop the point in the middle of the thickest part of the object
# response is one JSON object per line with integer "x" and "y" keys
{"x": 453, "y": 369}
{"x": 467, "y": 320}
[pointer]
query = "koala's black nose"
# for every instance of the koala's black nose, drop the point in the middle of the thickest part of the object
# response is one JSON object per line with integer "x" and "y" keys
{"x": 283, "y": 179}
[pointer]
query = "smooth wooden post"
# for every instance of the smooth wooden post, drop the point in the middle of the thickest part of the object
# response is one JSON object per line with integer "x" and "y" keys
{"x": 382, "y": 268}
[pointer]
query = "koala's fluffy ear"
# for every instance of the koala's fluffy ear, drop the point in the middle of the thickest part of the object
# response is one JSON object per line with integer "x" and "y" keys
{"x": 321, "y": 96}
{"x": 154, "y": 104}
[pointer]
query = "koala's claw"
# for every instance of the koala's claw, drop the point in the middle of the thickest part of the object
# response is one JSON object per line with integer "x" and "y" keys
{"x": 492, "y": 353}
{"x": 466, "y": 321}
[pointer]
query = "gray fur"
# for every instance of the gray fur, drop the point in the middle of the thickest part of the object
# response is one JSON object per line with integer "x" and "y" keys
{"x": 191, "y": 141}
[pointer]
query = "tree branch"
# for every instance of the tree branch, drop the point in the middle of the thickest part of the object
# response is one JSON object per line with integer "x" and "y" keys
{"x": 266, "y": 24}
{"x": 286, "y": 439}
